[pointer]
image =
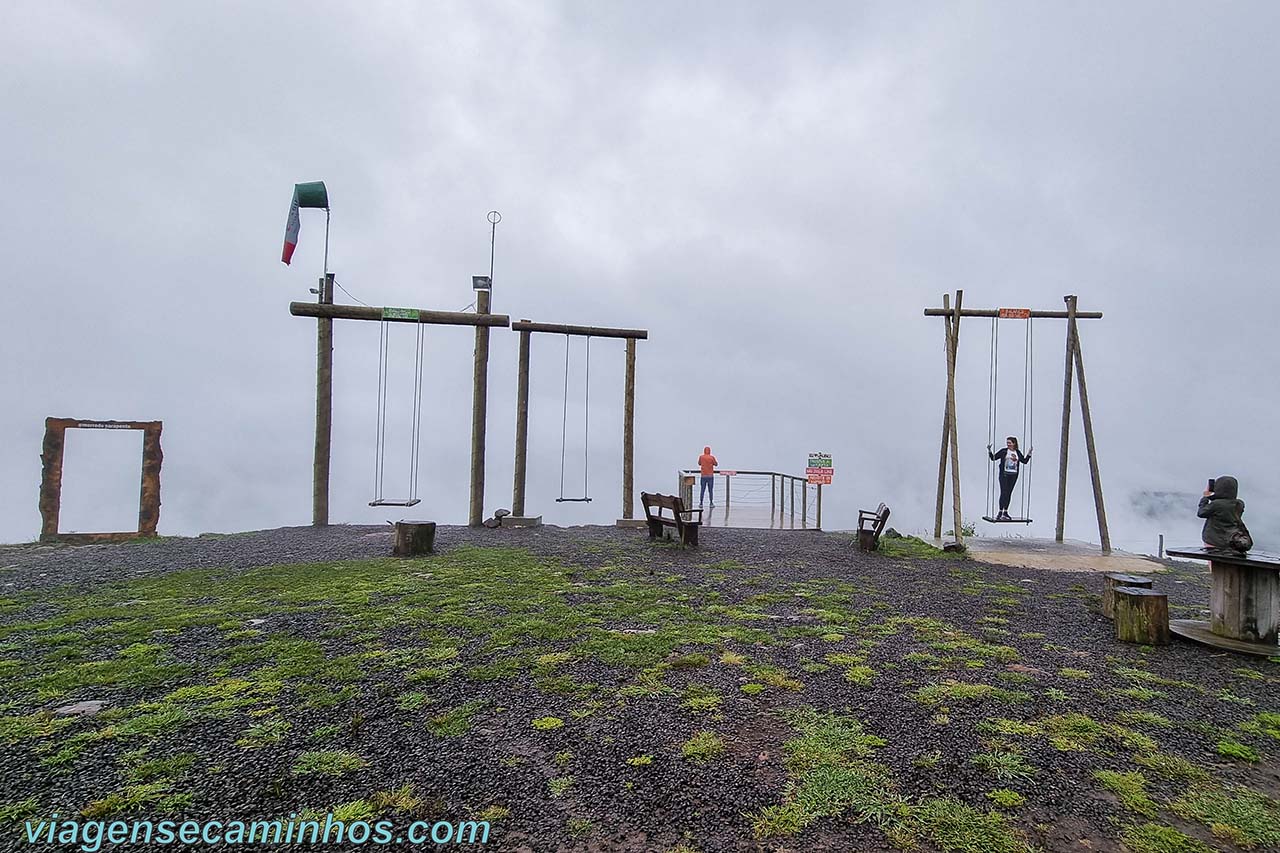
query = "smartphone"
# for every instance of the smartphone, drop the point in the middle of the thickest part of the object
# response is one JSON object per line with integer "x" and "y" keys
{"x": 1211, "y": 485}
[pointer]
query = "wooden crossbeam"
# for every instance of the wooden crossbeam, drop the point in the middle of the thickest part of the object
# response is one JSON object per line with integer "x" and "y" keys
{"x": 995, "y": 312}
{"x": 397, "y": 315}
{"x": 582, "y": 331}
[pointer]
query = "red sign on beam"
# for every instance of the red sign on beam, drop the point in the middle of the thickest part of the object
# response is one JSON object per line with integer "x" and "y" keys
{"x": 1015, "y": 313}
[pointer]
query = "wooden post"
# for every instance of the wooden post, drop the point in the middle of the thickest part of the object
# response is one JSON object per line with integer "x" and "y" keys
{"x": 804, "y": 503}
{"x": 414, "y": 538}
{"x": 819, "y": 506}
{"x": 773, "y": 495}
{"x": 629, "y": 432}
{"x": 1113, "y": 581}
{"x": 149, "y": 493}
{"x": 1142, "y": 616}
{"x": 1066, "y": 418}
{"x": 1092, "y": 450}
{"x": 727, "y": 480}
{"x": 951, "y": 411}
{"x": 946, "y": 424}
{"x": 522, "y": 427}
{"x": 324, "y": 409}
{"x": 793, "y": 501}
{"x": 479, "y": 405}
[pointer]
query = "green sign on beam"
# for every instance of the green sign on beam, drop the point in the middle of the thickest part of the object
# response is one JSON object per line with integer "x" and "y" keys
{"x": 400, "y": 313}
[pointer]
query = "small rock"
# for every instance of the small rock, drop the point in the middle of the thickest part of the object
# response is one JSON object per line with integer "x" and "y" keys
{"x": 85, "y": 708}
{"x": 492, "y": 523}
{"x": 501, "y": 513}
{"x": 257, "y": 621}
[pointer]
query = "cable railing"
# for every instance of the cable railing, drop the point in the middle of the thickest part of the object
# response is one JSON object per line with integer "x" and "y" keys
{"x": 758, "y": 499}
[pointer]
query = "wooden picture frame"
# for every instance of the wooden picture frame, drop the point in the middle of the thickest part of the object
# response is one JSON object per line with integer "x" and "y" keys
{"x": 55, "y": 435}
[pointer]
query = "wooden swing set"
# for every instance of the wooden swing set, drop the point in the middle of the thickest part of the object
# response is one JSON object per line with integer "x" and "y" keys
{"x": 1074, "y": 371}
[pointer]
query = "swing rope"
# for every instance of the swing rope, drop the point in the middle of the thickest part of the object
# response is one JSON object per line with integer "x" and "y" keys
{"x": 380, "y": 444}
{"x": 564, "y": 416}
{"x": 1028, "y": 418}
{"x": 586, "y": 424}
{"x": 993, "y": 381}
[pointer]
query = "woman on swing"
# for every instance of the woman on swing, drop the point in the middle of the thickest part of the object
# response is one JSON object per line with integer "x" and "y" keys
{"x": 1010, "y": 459}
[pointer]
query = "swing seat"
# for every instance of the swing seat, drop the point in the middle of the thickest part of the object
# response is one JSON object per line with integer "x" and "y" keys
{"x": 1006, "y": 520}
{"x": 382, "y": 502}
{"x": 573, "y": 500}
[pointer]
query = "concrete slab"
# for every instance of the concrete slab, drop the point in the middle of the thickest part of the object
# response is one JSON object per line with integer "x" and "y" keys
{"x": 521, "y": 521}
{"x": 1046, "y": 554}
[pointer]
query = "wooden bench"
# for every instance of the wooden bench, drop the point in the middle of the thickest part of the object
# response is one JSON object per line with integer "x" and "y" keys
{"x": 681, "y": 519}
{"x": 870, "y": 526}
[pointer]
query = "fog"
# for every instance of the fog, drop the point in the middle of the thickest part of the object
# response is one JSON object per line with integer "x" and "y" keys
{"x": 775, "y": 194}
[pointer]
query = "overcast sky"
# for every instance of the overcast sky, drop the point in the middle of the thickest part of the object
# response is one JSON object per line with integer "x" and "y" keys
{"x": 774, "y": 191}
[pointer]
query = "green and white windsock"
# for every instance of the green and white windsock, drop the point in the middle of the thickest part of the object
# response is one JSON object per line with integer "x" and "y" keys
{"x": 311, "y": 194}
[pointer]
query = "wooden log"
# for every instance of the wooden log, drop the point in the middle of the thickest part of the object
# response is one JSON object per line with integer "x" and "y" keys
{"x": 1111, "y": 581}
{"x": 629, "y": 431}
{"x": 479, "y": 412}
{"x": 149, "y": 494}
{"x": 1066, "y": 420}
{"x": 397, "y": 315}
{"x": 957, "y": 518}
{"x": 1244, "y": 602}
{"x": 1095, "y": 477}
{"x": 946, "y": 426}
{"x": 1142, "y": 616}
{"x": 522, "y": 427}
{"x": 414, "y": 538}
{"x": 55, "y": 435}
{"x": 324, "y": 407}
{"x": 995, "y": 312}
{"x": 581, "y": 331}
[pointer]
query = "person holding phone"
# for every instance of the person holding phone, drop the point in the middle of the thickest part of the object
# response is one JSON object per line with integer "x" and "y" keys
{"x": 1223, "y": 515}
{"x": 1010, "y": 460}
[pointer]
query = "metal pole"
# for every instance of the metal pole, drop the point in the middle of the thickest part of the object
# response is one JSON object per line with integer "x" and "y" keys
{"x": 1066, "y": 418}
{"x": 324, "y": 409}
{"x": 479, "y": 405}
{"x": 1090, "y": 448}
{"x": 726, "y": 493}
{"x": 819, "y": 506}
{"x": 804, "y": 503}
{"x": 946, "y": 426}
{"x": 629, "y": 432}
{"x": 522, "y": 427}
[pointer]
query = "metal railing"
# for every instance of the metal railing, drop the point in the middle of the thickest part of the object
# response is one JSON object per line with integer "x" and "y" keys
{"x": 760, "y": 499}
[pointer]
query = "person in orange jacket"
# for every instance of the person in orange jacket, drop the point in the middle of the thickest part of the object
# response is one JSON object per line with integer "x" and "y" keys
{"x": 707, "y": 466}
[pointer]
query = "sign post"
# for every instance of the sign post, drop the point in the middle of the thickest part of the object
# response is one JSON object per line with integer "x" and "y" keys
{"x": 819, "y": 472}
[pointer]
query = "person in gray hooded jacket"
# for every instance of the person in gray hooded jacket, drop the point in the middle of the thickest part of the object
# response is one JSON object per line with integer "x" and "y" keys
{"x": 1223, "y": 515}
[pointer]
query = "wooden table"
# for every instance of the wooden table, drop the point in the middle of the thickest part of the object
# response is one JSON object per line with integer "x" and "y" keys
{"x": 1244, "y": 602}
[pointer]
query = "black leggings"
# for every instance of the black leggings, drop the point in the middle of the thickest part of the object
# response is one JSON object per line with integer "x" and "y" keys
{"x": 1007, "y": 482}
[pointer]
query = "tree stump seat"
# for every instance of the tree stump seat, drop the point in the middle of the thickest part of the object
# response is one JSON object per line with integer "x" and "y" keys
{"x": 1142, "y": 616}
{"x": 414, "y": 538}
{"x": 1110, "y": 581}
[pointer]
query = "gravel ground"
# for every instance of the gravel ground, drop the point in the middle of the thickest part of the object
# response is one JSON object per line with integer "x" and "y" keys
{"x": 1054, "y": 626}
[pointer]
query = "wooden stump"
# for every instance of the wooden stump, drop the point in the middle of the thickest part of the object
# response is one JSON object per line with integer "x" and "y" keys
{"x": 414, "y": 538}
{"x": 1113, "y": 580}
{"x": 1142, "y": 616}
{"x": 1244, "y": 603}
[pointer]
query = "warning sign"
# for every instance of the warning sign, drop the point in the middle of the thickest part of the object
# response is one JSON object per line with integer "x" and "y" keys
{"x": 1015, "y": 313}
{"x": 819, "y": 470}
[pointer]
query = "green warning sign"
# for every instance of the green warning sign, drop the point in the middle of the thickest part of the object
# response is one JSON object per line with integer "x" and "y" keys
{"x": 399, "y": 313}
